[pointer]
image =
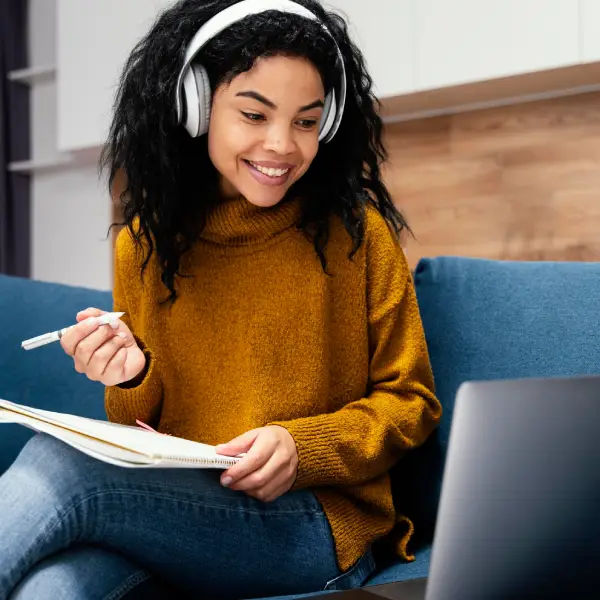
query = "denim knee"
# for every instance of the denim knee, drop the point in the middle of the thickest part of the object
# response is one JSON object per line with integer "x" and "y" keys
{"x": 50, "y": 468}
{"x": 51, "y": 455}
{"x": 81, "y": 573}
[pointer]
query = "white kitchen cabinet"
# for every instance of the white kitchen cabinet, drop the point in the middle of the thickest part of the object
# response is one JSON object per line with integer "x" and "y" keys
{"x": 462, "y": 41}
{"x": 409, "y": 46}
{"x": 383, "y": 30}
{"x": 590, "y": 30}
{"x": 94, "y": 40}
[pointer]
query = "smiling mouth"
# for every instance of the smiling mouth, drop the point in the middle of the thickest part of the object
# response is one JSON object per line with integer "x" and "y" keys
{"x": 269, "y": 172}
{"x": 269, "y": 176}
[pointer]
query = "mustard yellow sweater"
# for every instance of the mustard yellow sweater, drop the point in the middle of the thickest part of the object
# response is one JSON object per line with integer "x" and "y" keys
{"x": 261, "y": 335}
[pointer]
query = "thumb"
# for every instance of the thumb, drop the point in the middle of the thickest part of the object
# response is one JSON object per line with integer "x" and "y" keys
{"x": 239, "y": 445}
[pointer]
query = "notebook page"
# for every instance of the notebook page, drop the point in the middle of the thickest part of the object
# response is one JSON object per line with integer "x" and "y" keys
{"x": 107, "y": 453}
{"x": 148, "y": 443}
{"x": 88, "y": 445}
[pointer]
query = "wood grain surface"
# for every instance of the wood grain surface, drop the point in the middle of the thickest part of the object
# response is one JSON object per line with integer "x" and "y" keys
{"x": 520, "y": 182}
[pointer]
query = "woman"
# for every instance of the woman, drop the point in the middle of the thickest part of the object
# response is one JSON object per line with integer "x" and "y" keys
{"x": 269, "y": 311}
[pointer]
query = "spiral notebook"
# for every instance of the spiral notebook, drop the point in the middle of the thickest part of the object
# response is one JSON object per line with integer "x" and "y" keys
{"x": 121, "y": 445}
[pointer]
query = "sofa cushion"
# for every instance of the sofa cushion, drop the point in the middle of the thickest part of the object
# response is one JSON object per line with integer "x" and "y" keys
{"x": 44, "y": 377}
{"x": 403, "y": 571}
{"x": 488, "y": 320}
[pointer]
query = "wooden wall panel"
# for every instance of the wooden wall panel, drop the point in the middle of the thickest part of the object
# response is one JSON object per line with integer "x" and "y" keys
{"x": 519, "y": 182}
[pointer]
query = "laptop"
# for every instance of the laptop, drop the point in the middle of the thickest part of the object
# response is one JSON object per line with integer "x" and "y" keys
{"x": 519, "y": 513}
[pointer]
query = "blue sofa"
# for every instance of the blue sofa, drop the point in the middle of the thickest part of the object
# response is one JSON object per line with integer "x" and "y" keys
{"x": 483, "y": 320}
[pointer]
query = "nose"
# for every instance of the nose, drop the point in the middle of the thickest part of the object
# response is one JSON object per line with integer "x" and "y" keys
{"x": 280, "y": 139}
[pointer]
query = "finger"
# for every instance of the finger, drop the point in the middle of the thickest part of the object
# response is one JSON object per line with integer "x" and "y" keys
{"x": 89, "y": 312}
{"x": 268, "y": 476}
{"x": 280, "y": 491}
{"x": 119, "y": 327}
{"x": 257, "y": 456}
{"x": 113, "y": 373}
{"x": 75, "y": 334}
{"x": 239, "y": 445}
{"x": 102, "y": 356}
{"x": 277, "y": 486}
{"x": 89, "y": 345}
{"x": 270, "y": 493}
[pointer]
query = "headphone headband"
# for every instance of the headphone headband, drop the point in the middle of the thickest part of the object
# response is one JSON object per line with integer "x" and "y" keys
{"x": 237, "y": 12}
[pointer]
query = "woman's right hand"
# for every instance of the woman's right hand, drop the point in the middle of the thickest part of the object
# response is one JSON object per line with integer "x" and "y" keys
{"x": 105, "y": 353}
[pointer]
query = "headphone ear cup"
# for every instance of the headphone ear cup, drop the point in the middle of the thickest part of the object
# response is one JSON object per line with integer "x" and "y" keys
{"x": 196, "y": 100}
{"x": 189, "y": 108}
{"x": 204, "y": 97}
{"x": 328, "y": 118}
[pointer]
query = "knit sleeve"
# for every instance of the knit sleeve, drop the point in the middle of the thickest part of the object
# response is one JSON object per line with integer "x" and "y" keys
{"x": 125, "y": 403}
{"x": 366, "y": 437}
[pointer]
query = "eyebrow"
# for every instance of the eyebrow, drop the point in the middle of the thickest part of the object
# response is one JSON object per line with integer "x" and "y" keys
{"x": 260, "y": 98}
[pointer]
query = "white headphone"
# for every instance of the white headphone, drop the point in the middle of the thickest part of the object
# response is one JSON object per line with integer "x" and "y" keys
{"x": 194, "y": 86}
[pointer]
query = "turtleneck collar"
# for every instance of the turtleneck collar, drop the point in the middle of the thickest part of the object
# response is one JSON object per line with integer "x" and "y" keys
{"x": 237, "y": 225}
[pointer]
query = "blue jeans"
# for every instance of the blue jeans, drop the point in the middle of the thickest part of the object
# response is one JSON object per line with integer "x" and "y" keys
{"x": 72, "y": 527}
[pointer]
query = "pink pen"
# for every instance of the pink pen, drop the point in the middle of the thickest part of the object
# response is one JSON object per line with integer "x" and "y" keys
{"x": 147, "y": 427}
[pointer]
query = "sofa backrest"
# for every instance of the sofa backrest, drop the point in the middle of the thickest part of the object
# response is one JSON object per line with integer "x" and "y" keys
{"x": 488, "y": 320}
{"x": 483, "y": 320}
{"x": 44, "y": 377}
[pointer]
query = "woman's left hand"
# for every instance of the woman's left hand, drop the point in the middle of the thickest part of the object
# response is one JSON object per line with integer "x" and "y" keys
{"x": 269, "y": 468}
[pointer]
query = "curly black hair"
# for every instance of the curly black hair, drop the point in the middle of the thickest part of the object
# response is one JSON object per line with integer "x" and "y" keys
{"x": 171, "y": 183}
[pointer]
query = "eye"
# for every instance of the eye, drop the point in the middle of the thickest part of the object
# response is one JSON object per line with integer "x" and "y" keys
{"x": 255, "y": 117}
{"x": 307, "y": 123}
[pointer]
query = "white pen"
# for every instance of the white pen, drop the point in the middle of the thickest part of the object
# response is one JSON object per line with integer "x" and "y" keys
{"x": 54, "y": 336}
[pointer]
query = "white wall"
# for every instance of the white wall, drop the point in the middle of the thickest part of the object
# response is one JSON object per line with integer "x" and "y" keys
{"x": 71, "y": 211}
{"x": 461, "y": 41}
{"x": 387, "y": 43}
{"x": 410, "y": 45}
{"x": 589, "y": 16}
{"x": 99, "y": 34}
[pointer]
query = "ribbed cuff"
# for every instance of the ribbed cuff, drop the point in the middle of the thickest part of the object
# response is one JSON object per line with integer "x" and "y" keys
{"x": 317, "y": 440}
{"x": 126, "y": 404}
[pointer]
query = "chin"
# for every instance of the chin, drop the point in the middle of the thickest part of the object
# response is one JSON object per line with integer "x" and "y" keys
{"x": 264, "y": 201}
{"x": 263, "y": 196}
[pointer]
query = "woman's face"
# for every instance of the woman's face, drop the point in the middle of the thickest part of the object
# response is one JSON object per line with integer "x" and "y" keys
{"x": 264, "y": 128}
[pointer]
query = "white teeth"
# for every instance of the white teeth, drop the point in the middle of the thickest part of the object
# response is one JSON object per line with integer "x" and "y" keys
{"x": 269, "y": 172}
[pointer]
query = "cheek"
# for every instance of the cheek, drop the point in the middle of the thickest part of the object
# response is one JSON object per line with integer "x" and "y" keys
{"x": 308, "y": 149}
{"x": 227, "y": 140}
{"x": 221, "y": 146}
